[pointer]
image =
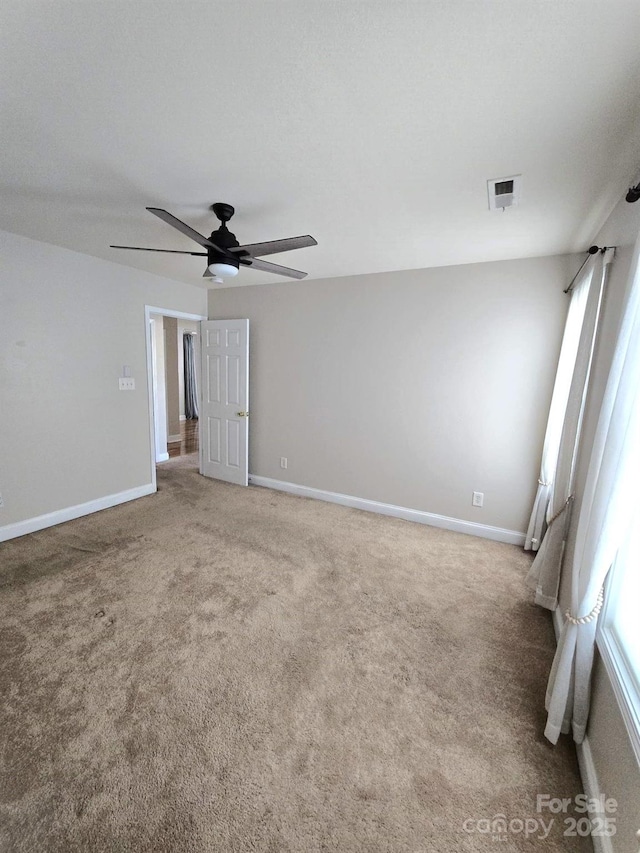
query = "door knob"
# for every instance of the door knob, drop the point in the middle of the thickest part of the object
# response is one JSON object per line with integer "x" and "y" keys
{"x": 242, "y": 414}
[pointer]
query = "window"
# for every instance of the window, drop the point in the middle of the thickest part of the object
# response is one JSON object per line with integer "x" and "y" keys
{"x": 619, "y": 635}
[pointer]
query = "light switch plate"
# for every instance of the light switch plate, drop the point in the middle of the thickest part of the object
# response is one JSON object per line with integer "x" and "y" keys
{"x": 126, "y": 383}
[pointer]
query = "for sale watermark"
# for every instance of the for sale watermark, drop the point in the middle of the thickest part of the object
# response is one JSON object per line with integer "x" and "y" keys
{"x": 571, "y": 816}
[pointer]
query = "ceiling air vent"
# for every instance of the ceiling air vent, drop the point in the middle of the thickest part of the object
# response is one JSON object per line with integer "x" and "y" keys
{"x": 504, "y": 192}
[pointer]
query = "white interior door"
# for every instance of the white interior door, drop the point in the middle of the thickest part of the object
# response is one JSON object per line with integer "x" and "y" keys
{"x": 224, "y": 419}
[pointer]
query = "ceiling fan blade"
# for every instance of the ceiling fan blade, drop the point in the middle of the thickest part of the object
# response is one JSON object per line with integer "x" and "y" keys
{"x": 171, "y": 251}
{"x": 265, "y": 266}
{"x": 272, "y": 247}
{"x": 183, "y": 227}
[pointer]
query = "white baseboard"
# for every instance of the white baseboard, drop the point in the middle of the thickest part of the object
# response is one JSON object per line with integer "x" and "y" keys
{"x": 162, "y": 457}
{"x": 172, "y": 438}
{"x": 601, "y": 844}
{"x": 183, "y": 417}
{"x": 499, "y": 534}
{"x": 30, "y": 525}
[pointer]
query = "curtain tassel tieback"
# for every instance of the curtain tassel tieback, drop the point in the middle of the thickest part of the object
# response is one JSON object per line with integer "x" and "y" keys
{"x": 584, "y": 620}
{"x": 560, "y": 511}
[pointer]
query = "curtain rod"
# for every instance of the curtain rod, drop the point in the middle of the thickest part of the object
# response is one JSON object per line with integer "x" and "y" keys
{"x": 592, "y": 250}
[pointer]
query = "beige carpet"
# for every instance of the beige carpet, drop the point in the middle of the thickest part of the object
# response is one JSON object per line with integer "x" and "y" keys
{"x": 223, "y": 669}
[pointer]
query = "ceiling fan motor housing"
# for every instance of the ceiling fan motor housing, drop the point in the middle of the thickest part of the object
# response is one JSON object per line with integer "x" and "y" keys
{"x": 224, "y": 239}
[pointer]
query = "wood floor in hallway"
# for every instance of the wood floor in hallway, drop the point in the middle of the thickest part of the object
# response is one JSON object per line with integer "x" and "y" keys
{"x": 188, "y": 439}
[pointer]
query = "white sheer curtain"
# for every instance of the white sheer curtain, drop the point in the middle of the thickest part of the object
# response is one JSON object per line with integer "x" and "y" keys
{"x": 566, "y": 364}
{"x": 605, "y": 516}
{"x": 544, "y": 575}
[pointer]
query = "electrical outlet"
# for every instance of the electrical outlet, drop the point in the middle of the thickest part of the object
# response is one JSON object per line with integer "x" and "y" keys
{"x": 283, "y": 461}
{"x": 477, "y": 499}
{"x": 126, "y": 383}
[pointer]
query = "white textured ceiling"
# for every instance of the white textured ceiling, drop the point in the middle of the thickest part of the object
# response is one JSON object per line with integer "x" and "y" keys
{"x": 371, "y": 125}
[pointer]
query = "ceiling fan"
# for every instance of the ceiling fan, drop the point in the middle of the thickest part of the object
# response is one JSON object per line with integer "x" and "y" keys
{"x": 224, "y": 254}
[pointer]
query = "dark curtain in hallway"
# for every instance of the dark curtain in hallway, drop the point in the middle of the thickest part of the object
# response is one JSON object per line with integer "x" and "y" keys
{"x": 190, "y": 390}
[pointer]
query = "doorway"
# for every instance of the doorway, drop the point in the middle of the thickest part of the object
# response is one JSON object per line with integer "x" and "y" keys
{"x": 173, "y": 405}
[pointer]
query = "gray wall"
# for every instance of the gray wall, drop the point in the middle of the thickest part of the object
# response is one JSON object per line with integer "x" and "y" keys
{"x": 412, "y": 388}
{"x": 618, "y": 772}
{"x": 614, "y": 760}
{"x": 68, "y": 323}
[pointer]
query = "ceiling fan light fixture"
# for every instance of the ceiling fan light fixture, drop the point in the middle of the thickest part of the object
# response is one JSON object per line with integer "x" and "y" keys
{"x": 223, "y": 269}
